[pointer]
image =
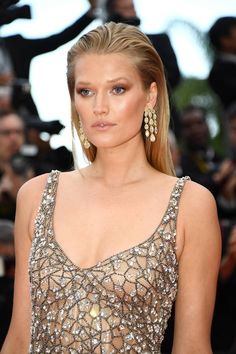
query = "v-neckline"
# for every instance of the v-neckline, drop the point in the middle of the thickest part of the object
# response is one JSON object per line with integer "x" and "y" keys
{"x": 115, "y": 255}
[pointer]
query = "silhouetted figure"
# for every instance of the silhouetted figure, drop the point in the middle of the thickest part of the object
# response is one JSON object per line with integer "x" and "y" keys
{"x": 222, "y": 77}
{"x": 198, "y": 160}
{"x": 12, "y": 136}
{"x": 224, "y": 320}
{"x": 124, "y": 11}
{"x": 41, "y": 155}
{"x": 22, "y": 50}
{"x": 7, "y": 268}
{"x": 226, "y": 174}
{"x": 15, "y": 174}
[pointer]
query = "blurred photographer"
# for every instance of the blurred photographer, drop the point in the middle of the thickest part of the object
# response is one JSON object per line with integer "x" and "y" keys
{"x": 16, "y": 173}
{"x": 198, "y": 159}
{"x": 19, "y": 51}
{"x": 226, "y": 175}
{"x": 12, "y": 136}
{"x": 224, "y": 334}
{"x": 13, "y": 92}
{"x": 38, "y": 148}
{"x": 14, "y": 96}
{"x": 223, "y": 72}
{"x": 7, "y": 270}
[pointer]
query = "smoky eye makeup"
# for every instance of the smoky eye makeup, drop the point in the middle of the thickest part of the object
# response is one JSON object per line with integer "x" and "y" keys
{"x": 83, "y": 91}
{"x": 119, "y": 89}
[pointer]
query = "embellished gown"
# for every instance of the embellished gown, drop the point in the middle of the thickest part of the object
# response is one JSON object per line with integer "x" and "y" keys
{"x": 120, "y": 305}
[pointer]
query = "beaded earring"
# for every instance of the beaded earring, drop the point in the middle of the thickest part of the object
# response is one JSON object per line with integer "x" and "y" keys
{"x": 150, "y": 124}
{"x": 83, "y": 137}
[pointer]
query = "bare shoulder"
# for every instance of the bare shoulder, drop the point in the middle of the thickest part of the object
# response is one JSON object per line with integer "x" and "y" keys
{"x": 197, "y": 198}
{"x": 32, "y": 189}
{"x": 199, "y": 260}
{"x": 28, "y": 200}
{"x": 29, "y": 197}
{"x": 199, "y": 217}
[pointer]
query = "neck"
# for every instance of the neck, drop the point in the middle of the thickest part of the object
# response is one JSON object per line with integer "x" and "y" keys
{"x": 121, "y": 165}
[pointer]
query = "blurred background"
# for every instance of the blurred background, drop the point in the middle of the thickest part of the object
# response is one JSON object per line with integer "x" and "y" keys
{"x": 196, "y": 41}
{"x": 185, "y": 21}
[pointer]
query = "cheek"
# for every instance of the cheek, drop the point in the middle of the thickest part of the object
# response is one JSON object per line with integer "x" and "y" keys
{"x": 83, "y": 112}
{"x": 131, "y": 108}
{"x": 78, "y": 106}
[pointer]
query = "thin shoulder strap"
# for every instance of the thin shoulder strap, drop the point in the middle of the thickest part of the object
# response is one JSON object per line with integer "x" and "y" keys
{"x": 47, "y": 204}
{"x": 177, "y": 191}
{"x": 170, "y": 217}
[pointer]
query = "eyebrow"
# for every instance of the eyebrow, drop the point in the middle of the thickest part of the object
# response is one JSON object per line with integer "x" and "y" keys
{"x": 86, "y": 83}
{"x": 117, "y": 79}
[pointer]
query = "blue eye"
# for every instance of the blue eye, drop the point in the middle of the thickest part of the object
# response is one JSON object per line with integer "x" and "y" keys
{"x": 118, "y": 90}
{"x": 85, "y": 92}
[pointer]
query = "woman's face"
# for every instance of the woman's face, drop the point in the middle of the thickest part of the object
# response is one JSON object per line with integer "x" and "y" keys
{"x": 110, "y": 98}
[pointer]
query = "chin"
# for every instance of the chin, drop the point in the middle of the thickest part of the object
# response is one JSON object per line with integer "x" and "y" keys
{"x": 104, "y": 146}
{"x": 103, "y": 143}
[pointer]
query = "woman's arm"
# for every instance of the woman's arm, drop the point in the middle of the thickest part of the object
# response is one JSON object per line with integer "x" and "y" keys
{"x": 198, "y": 271}
{"x": 18, "y": 337}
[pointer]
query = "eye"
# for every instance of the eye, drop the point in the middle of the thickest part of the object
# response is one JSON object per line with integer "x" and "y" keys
{"x": 85, "y": 92}
{"x": 118, "y": 90}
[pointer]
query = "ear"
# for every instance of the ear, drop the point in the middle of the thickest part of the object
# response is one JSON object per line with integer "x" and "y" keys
{"x": 152, "y": 95}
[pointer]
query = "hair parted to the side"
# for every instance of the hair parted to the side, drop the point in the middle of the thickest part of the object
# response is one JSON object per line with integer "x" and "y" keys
{"x": 128, "y": 40}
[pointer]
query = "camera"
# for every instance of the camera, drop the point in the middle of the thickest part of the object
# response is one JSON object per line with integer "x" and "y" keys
{"x": 9, "y": 12}
{"x": 20, "y": 90}
{"x": 50, "y": 127}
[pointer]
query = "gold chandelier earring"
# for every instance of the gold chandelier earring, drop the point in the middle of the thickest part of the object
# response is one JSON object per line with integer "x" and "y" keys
{"x": 83, "y": 137}
{"x": 150, "y": 124}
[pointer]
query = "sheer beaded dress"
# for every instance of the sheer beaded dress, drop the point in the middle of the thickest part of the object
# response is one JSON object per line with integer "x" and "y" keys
{"x": 120, "y": 305}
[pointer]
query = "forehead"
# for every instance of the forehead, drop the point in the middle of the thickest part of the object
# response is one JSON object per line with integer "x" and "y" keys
{"x": 10, "y": 120}
{"x": 106, "y": 66}
{"x": 123, "y": 4}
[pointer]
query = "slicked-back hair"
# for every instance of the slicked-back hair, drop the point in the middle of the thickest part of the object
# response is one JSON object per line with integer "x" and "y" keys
{"x": 112, "y": 38}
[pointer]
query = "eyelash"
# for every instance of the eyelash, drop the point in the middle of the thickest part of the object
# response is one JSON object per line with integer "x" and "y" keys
{"x": 82, "y": 92}
{"x": 119, "y": 87}
{"x": 87, "y": 92}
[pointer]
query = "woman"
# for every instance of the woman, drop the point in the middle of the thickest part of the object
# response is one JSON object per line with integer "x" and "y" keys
{"x": 105, "y": 258}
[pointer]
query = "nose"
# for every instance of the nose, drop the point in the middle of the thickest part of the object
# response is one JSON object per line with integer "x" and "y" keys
{"x": 100, "y": 104}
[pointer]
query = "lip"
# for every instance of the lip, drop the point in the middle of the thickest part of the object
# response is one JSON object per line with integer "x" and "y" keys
{"x": 102, "y": 125}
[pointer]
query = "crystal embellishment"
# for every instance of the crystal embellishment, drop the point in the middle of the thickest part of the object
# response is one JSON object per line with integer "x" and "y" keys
{"x": 120, "y": 305}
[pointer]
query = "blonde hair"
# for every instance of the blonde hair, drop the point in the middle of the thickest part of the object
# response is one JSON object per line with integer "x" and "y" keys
{"x": 129, "y": 40}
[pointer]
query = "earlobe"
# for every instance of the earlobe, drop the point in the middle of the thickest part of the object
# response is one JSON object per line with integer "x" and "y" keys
{"x": 152, "y": 96}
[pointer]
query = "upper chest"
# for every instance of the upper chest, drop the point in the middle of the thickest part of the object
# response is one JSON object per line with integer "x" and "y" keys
{"x": 99, "y": 215}
{"x": 91, "y": 224}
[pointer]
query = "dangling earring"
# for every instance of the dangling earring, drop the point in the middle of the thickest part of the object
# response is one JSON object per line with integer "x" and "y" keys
{"x": 83, "y": 137}
{"x": 150, "y": 124}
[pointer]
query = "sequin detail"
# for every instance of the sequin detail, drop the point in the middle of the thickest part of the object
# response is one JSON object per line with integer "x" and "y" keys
{"x": 120, "y": 305}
